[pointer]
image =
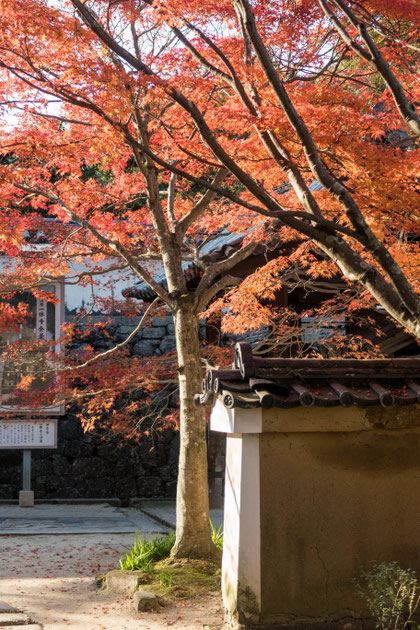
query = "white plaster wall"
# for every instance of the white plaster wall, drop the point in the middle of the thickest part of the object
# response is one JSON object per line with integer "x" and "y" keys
{"x": 241, "y": 575}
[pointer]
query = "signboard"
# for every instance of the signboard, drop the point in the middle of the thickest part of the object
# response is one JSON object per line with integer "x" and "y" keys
{"x": 28, "y": 434}
{"x": 43, "y": 323}
{"x": 41, "y": 319}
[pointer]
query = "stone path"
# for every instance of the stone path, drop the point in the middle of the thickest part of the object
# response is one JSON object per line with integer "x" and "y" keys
{"x": 75, "y": 519}
{"x": 11, "y": 619}
{"x": 147, "y": 515}
{"x": 164, "y": 512}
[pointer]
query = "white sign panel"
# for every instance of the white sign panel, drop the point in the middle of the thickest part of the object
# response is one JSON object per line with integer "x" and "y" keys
{"x": 28, "y": 434}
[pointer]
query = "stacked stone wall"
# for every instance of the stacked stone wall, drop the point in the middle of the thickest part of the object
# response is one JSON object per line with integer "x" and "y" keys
{"x": 156, "y": 338}
{"x": 91, "y": 465}
{"x": 87, "y": 465}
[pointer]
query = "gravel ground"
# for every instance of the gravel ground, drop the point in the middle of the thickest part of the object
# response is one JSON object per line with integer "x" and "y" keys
{"x": 51, "y": 578}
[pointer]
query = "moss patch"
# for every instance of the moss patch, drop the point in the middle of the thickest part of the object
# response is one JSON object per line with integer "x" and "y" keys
{"x": 180, "y": 579}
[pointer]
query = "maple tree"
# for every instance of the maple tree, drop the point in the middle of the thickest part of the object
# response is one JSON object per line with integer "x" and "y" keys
{"x": 198, "y": 116}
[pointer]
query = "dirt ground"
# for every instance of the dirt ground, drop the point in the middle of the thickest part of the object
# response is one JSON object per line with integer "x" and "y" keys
{"x": 51, "y": 578}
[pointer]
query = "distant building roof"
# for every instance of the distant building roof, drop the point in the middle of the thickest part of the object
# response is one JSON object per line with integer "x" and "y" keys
{"x": 218, "y": 247}
{"x": 221, "y": 246}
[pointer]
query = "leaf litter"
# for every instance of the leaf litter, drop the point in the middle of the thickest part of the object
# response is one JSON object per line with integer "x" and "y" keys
{"x": 51, "y": 578}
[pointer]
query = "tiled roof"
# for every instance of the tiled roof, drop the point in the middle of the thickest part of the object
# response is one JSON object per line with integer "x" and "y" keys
{"x": 276, "y": 382}
{"x": 221, "y": 246}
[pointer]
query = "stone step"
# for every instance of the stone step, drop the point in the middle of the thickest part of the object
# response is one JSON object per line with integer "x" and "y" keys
{"x": 9, "y": 619}
{"x": 6, "y": 608}
{"x": 31, "y": 626}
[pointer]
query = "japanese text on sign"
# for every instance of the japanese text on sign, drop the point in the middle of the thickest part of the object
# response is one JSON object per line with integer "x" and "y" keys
{"x": 41, "y": 319}
{"x": 28, "y": 434}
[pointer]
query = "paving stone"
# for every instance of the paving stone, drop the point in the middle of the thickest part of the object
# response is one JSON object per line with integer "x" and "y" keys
{"x": 6, "y": 608}
{"x": 144, "y": 601}
{"x": 122, "y": 582}
{"x": 14, "y": 619}
{"x": 66, "y": 519}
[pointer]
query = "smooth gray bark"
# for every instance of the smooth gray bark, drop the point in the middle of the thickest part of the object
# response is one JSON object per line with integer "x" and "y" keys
{"x": 193, "y": 537}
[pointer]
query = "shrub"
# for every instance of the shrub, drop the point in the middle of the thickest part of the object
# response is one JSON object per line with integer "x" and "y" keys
{"x": 392, "y": 595}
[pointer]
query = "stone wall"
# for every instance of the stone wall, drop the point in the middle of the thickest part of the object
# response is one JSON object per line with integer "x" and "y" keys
{"x": 90, "y": 465}
{"x": 158, "y": 337}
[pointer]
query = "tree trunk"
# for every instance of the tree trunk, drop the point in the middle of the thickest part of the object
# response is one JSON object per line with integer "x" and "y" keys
{"x": 193, "y": 537}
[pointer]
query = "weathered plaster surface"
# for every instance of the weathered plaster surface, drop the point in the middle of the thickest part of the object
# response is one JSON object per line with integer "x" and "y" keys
{"x": 336, "y": 502}
{"x": 331, "y": 490}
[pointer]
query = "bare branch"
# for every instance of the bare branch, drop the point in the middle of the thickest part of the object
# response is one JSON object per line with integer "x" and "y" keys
{"x": 217, "y": 287}
{"x": 201, "y": 205}
{"x": 63, "y": 119}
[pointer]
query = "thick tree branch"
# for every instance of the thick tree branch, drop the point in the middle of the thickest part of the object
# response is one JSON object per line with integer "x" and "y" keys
{"x": 322, "y": 173}
{"x": 219, "y": 285}
{"x": 201, "y": 205}
{"x": 374, "y": 56}
{"x": 221, "y": 268}
{"x": 170, "y": 202}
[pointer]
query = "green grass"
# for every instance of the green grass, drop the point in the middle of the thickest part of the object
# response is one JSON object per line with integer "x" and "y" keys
{"x": 165, "y": 579}
{"x": 185, "y": 579}
{"x": 169, "y": 577}
{"x": 144, "y": 553}
{"x": 217, "y": 536}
